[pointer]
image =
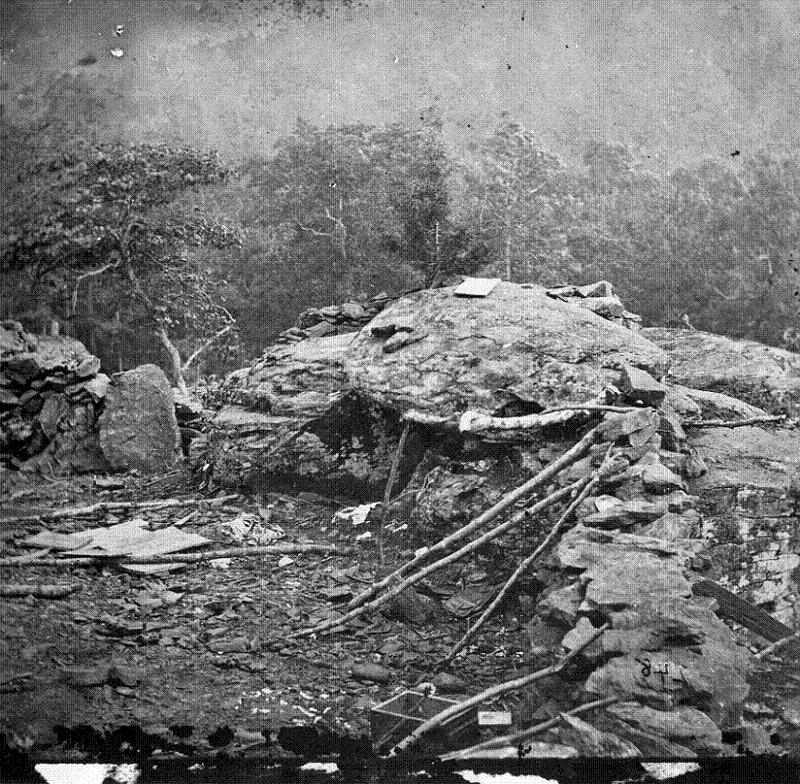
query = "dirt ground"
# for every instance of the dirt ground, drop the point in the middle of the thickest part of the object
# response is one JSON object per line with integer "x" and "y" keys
{"x": 206, "y": 647}
{"x": 202, "y": 657}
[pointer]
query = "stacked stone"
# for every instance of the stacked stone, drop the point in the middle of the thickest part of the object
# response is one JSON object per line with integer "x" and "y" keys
{"x": 600, "y": 299}
{"x": 679, "y": 672}
{"x": 334, "y": 319}
{"x": 51, "y": 389}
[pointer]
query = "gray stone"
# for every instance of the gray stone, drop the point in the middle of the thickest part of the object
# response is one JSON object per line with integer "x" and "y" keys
{"x": 602, "y": 288}
{"x": 649, "y": 744}
{"x": 637, "y": 385}
{"x": 607, "y": 307}
{"x": 353, "y": 311}
{"x": 138, "y": 428}
{"x": 560, "y": 607}
{"x": 702, "y": 360}
{"x": 672, "y": 526}
{"x": 526, "y": 343}
{"x": 591, "y": 742}
{"x": 685, "y": 725}
{"x": 659, "y": 479}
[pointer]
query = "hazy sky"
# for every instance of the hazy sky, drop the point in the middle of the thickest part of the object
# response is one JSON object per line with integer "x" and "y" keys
{"x": 682, "y": 78}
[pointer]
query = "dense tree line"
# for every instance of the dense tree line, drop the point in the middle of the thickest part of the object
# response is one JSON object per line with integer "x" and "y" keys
{"x": 148, "y": 252}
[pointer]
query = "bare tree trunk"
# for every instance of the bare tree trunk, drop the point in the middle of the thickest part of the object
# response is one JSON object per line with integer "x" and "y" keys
{"x": 508, "y": 255}
{"x": 174, "y": 358}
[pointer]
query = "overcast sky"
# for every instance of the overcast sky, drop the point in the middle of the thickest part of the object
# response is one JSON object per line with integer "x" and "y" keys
{"x": 681, "y": 78}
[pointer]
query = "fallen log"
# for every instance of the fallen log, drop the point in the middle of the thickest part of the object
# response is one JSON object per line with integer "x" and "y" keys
{"x": 517, "y": 738}
{"x": 113, "y": 506}
{"x": 474, "y": 422}
{"x": 525, "y": 565}
{"x": 571, "y": 456}
{"x": 179, "y": 557}
{"x": 442, "y": 718}
{"x": 336, "y": 623}
{"x": 38, "y": 591}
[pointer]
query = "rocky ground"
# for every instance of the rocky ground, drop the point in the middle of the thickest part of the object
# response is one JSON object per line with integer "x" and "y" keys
{"x": 187, "y": 655}
{"x": 198, "y": 658}
{"x": 659, "y": 587}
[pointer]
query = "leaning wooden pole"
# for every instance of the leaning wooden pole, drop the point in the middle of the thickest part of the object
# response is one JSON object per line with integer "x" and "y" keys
{"x": 569, "y": 457}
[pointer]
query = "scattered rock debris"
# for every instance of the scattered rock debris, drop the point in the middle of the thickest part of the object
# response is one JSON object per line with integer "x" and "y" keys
{"x": 635, "y": 514}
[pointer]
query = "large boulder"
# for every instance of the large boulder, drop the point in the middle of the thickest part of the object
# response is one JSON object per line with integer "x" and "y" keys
{"x": 744, "y": 368}
{"x": 325, "y": 413}
{"x": 138, "y": 428}
{"x": 749, "y": 506}
{"x": 473, "y": 353}
{"x": 294, "y": 420}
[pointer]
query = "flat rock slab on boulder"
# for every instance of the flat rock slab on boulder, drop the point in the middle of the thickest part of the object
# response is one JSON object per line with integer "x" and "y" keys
{"x": 707, "y": 361}
{"x": 625, "y": 569}
{"x": 745, "y": 456}
{"x": 138, "y": 428}
{"x": 461, "y": 351}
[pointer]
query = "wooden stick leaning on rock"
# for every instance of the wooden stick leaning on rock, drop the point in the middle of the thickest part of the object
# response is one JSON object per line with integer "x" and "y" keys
{"x": 444, "y": 716}
{"x": 390, "y": 483}
{"x": 335, "y": 623}
{"x": 179, "y": 557}
{"x": 524, "y": 565}
{"x": 519, "y": 737}
{"x": 571, "y": 456}
{"x": 493, "y": 533}
{"x": 114, "y": 506}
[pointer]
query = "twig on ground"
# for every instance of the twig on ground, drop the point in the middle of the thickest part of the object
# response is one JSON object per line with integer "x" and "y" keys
{"x": 39, "y": 591}
{"x": 519, "y": 737}
{"x": 390, "y": 483}
{"x": 556, "y": 529}
{"x": 446, "y": 715}
{"x": 335, "y": 623}
{"x": 114, "y": 506}
{"x": 734, "y": 422}
{"x": 571, "y": 456}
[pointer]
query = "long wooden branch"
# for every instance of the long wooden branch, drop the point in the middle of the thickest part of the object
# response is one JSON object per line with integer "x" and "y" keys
{"x": 113, "y": 506}
{"x": 734, "y": 422}
{"x": 336, "y": 623}
{"x": 523, "y": 567}
{"x": 473, "y": 422}
{"x": 90, "y": 274}
{"x": 390, "y": 483}
{"x": 495, "y": 691}
{"x": 571, "y": 456}
{"x": 517, "y": 738}
{"x": 179, "y": 557}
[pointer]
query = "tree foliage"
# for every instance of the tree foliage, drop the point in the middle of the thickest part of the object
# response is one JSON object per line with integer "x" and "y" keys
{"x": 97, "y": 235}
